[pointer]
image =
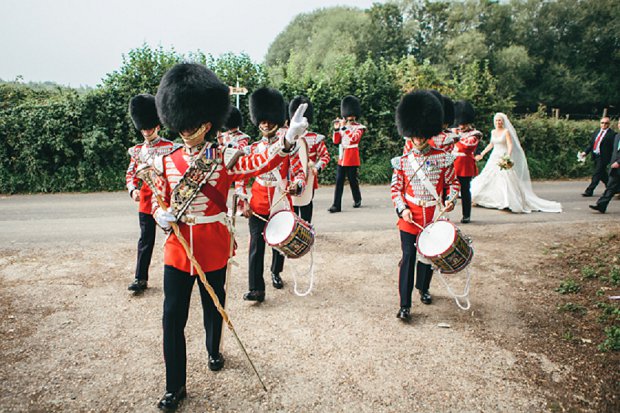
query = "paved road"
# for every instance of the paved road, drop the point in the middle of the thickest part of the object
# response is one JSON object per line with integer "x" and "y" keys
{"x": 111, "y": 216}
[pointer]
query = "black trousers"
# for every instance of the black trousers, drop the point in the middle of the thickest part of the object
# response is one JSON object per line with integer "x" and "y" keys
{"x": 465, "y": 182}
{"x": 600, "y": 174}
{"x": 145, "y": 245}
{"x": 351, "y": 173}
{"x": 613, "y": 187}
{"x": 304, "y": 212}
{"x": 406, "y": 271}
{"x": 257, "y": 255}
{"x": 177, "y": 293}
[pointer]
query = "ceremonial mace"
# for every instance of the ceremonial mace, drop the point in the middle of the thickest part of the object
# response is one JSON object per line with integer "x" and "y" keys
{"x": 146, "y": 174}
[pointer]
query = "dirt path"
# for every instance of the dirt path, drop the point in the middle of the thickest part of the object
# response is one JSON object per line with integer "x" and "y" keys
{"x": 75, "y": 340}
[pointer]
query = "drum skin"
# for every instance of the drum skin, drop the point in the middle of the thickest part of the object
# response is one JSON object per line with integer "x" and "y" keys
{"x": 289, "y": 234}
{"x": 445, "y": 246}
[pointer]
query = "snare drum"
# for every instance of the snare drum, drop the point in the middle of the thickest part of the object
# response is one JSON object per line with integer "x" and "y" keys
{"x": 444, "y": 245}
{"x": 289, "y": 234}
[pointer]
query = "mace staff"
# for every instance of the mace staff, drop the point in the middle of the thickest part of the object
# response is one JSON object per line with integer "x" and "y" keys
{"x": 146, "y": 174}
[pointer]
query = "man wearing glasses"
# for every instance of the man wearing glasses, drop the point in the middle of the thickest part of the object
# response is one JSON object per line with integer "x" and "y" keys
{"x": 601, "y": 147}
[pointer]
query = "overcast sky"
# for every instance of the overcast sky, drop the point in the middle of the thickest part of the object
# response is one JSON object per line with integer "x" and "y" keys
{"x": 76, "y": 42}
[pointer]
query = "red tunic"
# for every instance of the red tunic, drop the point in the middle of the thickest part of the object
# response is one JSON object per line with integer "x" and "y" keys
{"x": 317, "y": 152}
{"x": 444, "y": 140}
{"x": 210, "y": 242}
{"x": 408, "y": 191}
{"x": 348, "y": 137}
{"x": 464, "y": 150}
{"x": 145, "y": 153}
{"x": 264, "y": 186}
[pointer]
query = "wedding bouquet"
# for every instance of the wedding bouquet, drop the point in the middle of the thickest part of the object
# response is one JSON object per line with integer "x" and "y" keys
{"x": 505, "y": 162}
{"x": 581, "y": 157}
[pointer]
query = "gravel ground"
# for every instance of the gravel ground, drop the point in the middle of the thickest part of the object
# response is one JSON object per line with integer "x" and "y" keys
{"x": 75, "y": 340}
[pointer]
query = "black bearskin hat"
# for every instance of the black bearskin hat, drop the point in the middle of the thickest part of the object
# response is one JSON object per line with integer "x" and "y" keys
{"x": 235, "y": 120}
{"x": 350, "y": 106}
{"x": 267, "y": 105}
{"x": 448, "y": 111}
{"x": 439, "y": 98}
{"x": 419, "y": 114}
{"x": 190, "y": 95}
{"x": 143, "y": 112}
{"x": 298, "y": 100}
{"x": 464, "y": 113}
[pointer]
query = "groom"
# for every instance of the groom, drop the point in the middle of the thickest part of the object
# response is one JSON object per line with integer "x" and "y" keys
{"x": 613, "y": 185}
{"x": 600, "y": 146}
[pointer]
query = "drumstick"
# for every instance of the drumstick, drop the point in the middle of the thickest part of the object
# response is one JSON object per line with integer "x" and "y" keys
{"x": 147, "y": 178}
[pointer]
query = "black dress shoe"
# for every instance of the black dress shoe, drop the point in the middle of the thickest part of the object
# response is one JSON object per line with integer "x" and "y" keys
{"x": 465, "y": 220}
{"x": 171, "y": 401}
{"x": 425, "y": 297}
{"x": 216, "y": 363}
{"x": 137, "y": 286}
{"x": 357, "y": 204}
{"x": 276, "y": 280}
{"x": 254, "y": 296}
{"x": 404, "y": 314}
{"x": 597, "y": 208}
{"x": 587, "y": 194}
{"x": 333, "y": 209}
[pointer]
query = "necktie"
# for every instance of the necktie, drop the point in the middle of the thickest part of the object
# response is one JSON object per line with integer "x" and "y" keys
{"x": 597, "y": 142}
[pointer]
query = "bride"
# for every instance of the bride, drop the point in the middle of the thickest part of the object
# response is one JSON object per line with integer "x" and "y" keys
{"x": 507, "y": 188}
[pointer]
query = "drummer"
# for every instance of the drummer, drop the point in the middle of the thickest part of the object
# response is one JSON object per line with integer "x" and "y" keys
{"x": 270, "y": 191}
{"x": 419, "y": 177}
{"x": 318, "y": 156}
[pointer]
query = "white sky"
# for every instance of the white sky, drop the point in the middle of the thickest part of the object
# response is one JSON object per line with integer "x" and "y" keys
{"x": 76, "y": 42}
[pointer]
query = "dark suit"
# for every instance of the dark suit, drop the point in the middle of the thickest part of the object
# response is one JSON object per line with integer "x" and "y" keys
{"x": 601, "y": 160}
{"x": 613, "y": 185}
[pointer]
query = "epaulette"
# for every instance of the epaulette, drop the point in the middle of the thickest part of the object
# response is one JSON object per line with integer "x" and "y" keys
{"x": 319, "y": 138}
{"x": 396, "y": 164}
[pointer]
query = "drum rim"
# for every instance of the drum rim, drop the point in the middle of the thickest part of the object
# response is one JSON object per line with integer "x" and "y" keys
{"x": 267, "y": 224}
{"x": 456, "y": 231}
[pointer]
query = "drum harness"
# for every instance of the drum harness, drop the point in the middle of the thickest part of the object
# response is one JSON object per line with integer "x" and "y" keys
{"x": 419, "y": 172}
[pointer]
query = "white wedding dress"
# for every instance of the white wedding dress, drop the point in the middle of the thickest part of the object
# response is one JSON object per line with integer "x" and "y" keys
{"x": 510, "y": 188}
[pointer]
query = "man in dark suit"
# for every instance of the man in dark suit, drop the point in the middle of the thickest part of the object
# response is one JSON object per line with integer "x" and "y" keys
{"x": 613, "y": 185}
{"x": 601, "y": 147}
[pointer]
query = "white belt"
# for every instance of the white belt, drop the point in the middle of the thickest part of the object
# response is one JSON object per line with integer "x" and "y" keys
{"x": 267, "y": 184}
{"x": 459, "y": 154}
{"x": 205, "y": 219}
{"x": 420, "y": 202}
{"x": 350, "y": 146}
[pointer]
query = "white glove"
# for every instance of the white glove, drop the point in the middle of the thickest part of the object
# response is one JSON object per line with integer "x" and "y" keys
{"x": 164, "y": 218}
{"x": 298, "y": 124}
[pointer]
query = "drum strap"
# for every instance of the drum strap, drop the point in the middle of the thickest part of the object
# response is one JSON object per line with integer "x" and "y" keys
{"x": 419, "y": 171}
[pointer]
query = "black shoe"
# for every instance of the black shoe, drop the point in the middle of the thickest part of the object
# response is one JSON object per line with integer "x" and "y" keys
{"x": 137, "y": 286}
{"x": 404, "y": 314}
{"x": 333, "y": 209}
{"x": 216, "y": 363}
{"x": 254, "y": 296}
{"x": 276, "y": 280}
{"x": 587, "y": 194}
{"x": 597, "y": 208}
{"x": 465, "y": 220}
{"x": 425, "y": 297}
{"x": 171, "y": 401}
{"x": 357, "y": 204}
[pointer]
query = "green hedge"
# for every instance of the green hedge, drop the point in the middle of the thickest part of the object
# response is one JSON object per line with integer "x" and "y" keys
{"x": 63, "y": 141}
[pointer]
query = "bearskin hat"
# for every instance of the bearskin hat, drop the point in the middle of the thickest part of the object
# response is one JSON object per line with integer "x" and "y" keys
{"x": 448, "y": 111}
{"x": 143, "y": 112}
{"x": 190, "y": 95}
{"x": 234, "y": 120}
{"x": 419, "y": 114}
{"x": 464, "y": 112}
{"x": 350, "y": 106}
{"x": 439, "y": 98}
{"x": 298, "y": 100}
{"x": 267, "y": 105}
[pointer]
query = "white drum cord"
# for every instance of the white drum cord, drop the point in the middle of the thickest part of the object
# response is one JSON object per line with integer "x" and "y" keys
{"x": 310, "y": 272}
{"x": 458, "y": 297}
